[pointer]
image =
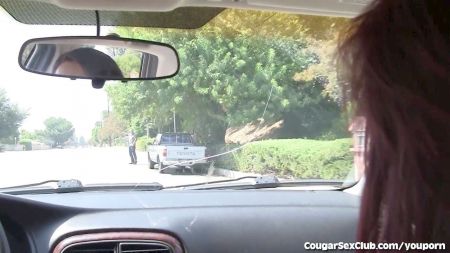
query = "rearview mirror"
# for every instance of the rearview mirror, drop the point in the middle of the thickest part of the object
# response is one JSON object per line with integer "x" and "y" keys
{"x": 99, "y": 58}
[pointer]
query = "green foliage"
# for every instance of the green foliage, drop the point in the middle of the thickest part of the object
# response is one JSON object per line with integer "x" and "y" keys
{"x": 11, "y": 118}
{"x": 129, "y": 63}
{"x": 338, "y": 129}
{"x": 143, "y": 142}
{"x": 298, "y": 158}
{"x": 26, "y": 135}
{"x": 37, "y": 135}
{"x": 111, "y": 131}
{"x": 58, "y": 130}
{"x": 26, "y": 144}
{"x": 228, "y": 69}
{"x": 95, "y": 140}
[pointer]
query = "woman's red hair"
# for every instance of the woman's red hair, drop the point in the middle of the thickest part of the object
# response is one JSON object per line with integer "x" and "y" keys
{"x": 397, "y": 59}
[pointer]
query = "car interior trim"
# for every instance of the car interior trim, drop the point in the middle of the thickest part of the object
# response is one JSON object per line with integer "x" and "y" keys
{"x": 150, "y": 237}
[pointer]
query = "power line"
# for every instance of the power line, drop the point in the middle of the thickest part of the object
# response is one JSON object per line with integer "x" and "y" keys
{"x": 267, "y": 103}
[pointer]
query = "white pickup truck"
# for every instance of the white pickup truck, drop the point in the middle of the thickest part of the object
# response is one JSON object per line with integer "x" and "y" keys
{"x": 175, "y": 149}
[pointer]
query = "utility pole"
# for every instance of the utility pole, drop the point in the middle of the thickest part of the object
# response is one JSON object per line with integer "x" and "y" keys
{"x": 174, "y": 121}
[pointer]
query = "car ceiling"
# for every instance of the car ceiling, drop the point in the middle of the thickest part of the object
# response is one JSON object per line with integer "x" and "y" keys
{"x": 183, "y": 14}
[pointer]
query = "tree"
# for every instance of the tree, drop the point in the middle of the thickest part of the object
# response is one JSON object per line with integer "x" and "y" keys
{"x": 11, "y": 118}
{"x": 109, "y": 130}
{"x": 227, "y": 74}
{"x": 95, "y": 140}
{"x": 24, "y": 134}
{"x": 37, "y": 135}
{"x": 58, "y": 130}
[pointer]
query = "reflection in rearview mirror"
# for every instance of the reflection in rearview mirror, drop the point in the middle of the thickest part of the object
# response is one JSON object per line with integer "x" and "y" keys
{"x": 99, "y": 58}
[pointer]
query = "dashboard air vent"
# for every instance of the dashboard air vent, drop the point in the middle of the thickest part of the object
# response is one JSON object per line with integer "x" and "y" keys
{"x": 119, "y": 242}
{"x": 143, "y": 248}
{"x": 97, "y": 247}
{"x": 119, "y": 247}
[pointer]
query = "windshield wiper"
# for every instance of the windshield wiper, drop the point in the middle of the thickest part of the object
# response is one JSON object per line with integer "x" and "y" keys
{"x": 257, "y": 183}
{"x": 73, "y": 185}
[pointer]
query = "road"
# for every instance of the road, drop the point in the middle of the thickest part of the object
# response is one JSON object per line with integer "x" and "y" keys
{"x": 90, "y": 165}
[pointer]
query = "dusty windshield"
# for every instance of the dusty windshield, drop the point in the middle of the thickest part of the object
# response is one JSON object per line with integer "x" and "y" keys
{"x": 257, "y": 94}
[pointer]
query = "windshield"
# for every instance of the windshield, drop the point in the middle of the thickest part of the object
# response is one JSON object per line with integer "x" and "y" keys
{"x": 258, "y": 93}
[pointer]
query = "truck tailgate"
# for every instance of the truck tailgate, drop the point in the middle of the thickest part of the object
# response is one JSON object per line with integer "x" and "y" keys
{"x": 183, "y": 153}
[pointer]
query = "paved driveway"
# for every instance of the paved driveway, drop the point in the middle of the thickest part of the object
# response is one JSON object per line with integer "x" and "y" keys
{"x": 90, "y": 165}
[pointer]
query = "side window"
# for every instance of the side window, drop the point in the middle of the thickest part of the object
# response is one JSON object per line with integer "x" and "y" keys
{"x": 189, "y": 139}
{"x": 164, "y": 139}
{"x": 184, "y": 138}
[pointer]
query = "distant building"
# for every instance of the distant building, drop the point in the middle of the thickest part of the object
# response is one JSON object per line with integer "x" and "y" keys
{"x": 358, "y": 130}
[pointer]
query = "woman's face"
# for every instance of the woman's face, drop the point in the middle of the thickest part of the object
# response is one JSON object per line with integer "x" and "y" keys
{"x": 70, "y": 68}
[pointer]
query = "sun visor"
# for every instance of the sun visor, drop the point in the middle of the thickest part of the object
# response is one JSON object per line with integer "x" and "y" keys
{"x": 119, "y": 5}
{"x": 43, "y": 13}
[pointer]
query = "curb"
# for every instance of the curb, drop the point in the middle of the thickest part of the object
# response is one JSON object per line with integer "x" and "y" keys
{"x": 229, "y": 173}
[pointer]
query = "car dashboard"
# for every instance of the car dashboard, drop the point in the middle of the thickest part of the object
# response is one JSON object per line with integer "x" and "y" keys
{"x": 178, "y": 220}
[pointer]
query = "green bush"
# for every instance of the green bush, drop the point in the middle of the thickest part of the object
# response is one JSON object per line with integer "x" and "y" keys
{"x": 298, "y": 158}
{"x": 142, "y": 142}
{"x": 26, "y": 143}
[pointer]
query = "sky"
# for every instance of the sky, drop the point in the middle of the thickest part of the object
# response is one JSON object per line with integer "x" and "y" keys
{"x": 44, "y": 96}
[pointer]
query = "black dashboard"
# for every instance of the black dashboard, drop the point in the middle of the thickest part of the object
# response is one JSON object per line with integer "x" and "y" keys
{"x": 201, "y": 221}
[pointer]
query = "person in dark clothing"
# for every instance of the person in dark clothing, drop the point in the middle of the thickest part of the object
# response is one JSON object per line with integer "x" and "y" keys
{"x": 87, "y": 62}
{"x": 132, "y": 147}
